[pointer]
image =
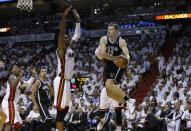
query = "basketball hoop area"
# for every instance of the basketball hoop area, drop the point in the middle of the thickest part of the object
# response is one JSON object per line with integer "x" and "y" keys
{"x": 25, "y": 5}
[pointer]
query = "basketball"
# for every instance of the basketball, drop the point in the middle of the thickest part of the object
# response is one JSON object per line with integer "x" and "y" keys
{"x": 121, "y": 61}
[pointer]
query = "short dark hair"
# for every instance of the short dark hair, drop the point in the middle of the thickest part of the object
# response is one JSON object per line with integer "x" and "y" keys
{"x": 11, "y": 67}
{"x": 116, "y": 27}
{"x": 41, "y": 68}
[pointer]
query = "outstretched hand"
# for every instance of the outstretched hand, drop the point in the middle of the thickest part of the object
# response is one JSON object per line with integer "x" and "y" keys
{"x": 67, "y": 10}
{"x": 77, "y": 16}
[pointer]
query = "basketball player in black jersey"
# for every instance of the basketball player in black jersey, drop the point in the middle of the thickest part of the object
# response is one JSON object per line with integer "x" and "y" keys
{"x": 41, "y": 94}
{"x": 111, "y": 46}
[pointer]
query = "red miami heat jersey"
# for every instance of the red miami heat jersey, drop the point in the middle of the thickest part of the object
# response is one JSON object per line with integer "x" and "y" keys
{"x": 69, "y": 64}
{"x": 12, "y": 94}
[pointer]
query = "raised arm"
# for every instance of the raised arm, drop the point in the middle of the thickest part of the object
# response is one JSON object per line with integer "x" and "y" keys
{"x": 101, "y": 51}
{"x": 61, "y": 39}
{"x": 77, "y": 32}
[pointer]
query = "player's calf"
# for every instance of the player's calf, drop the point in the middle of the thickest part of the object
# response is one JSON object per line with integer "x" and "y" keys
{"x": 60, "y": 119}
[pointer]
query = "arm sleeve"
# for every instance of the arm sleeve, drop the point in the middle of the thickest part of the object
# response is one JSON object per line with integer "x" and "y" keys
{"x": 77, "y": 32}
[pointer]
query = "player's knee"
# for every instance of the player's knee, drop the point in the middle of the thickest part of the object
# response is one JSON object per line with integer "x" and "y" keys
{"x": 108, "y": 83}
{"x": 61, "y": 114}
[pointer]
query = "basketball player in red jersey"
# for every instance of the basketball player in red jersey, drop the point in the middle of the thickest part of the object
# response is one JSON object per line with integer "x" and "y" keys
{"x": 65, "y": 57}
{"x": 3, "y": 78}
{"x": 4, "y": 75}
{"x": 14, "y": 84}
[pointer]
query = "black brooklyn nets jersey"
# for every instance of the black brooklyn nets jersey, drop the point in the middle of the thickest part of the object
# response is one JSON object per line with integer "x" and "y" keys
{"x": 43, "y": 93}
{"x": 113, "y": 49}
{"x": 111, "y": 71}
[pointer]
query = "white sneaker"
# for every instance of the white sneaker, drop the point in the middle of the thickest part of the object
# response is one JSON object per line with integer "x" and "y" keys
{"x": 118, "y": 128}
{"x": 101, "y": 124}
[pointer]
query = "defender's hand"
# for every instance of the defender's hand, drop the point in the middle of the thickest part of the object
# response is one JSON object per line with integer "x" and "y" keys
{"x": 77, "y": 16}
{"x": 67, "y": 10}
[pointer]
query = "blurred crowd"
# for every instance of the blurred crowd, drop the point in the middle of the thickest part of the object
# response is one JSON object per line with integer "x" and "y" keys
{"x": 45, "y": 23}
{"x": 169, "y": 97}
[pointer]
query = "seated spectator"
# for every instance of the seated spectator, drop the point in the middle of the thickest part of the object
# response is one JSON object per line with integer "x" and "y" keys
{"x": 77, "y": 120}
{"x": 33, "y": 120}
{"x": 187, "y": 117}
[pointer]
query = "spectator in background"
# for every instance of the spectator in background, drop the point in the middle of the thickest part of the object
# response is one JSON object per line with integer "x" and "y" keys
{"x": 89, "y": 90}
{"x": 161, "y": 61}
{"x": 187, "y": 117}
{"x": 174, "y": 123}
{"x": 77, "y": 120}
{"x": 33, "y": 119}
{"x": 3, "y": 74}
{"x": 165, "y": 114}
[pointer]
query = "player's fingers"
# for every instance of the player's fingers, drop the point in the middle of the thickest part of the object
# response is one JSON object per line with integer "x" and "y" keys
{"x": 75, "y": 11}
{"x": 115, "y": 61}
{"x": 67, "y": 10}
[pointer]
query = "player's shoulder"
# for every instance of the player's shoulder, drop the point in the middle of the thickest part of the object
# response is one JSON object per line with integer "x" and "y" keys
{"x": 11, "y": 77}
{"x": 122, "y": 41}
{"x": 37, "y": 81}
{"x": 103, "y": 38}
